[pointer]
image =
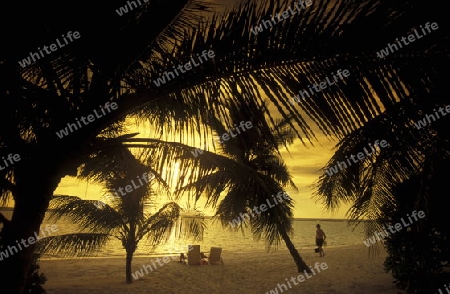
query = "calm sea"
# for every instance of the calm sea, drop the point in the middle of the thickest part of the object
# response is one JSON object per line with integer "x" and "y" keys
{"x": 338, "y": 233}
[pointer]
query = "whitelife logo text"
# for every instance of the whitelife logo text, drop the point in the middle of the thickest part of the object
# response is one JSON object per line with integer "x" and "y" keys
{"x": 398, "y": 226}
{"x": 411, "y": 38}
{"x": 53, "y": 47}
{"x": 242, "y": 216}
{"x": 10, "y": 160}
{"x": 281, "y": 16}
{"x": 342, "y": 165}
{"x": 128, "y": 188}
{"x": 86, "y": 120}
{"x": 31, "y": 240}
{"x": 183, "y": 68}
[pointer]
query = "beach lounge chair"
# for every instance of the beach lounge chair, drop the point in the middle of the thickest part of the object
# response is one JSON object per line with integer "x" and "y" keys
{"x": 193, "y": 255}
{"x": 215, "y": 255}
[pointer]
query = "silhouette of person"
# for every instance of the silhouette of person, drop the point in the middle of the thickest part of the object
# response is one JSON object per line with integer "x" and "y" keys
{"x": 182, "y": 257}
{"x": 320, "y": 237}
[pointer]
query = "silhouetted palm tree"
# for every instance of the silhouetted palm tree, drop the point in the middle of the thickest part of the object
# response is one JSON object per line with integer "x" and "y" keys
{"x": 124, "y": 217}
{"x": 387, "y": 186}
{"x": 270, "y": 178}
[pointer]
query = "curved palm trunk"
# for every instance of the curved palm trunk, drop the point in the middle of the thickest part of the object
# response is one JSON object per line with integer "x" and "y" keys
{"x": 34, "y": 188}
{"x": 301, "y": 265}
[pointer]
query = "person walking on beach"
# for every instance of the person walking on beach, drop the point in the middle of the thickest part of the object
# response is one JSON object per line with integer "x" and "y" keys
{"x": 320, "y": 238}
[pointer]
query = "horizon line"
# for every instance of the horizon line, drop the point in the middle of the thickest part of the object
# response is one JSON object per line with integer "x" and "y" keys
{"x": 8, "y": 208}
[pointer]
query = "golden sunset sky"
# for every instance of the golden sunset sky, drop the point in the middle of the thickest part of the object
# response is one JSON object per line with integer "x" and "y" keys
{"x": 303, "y": 162}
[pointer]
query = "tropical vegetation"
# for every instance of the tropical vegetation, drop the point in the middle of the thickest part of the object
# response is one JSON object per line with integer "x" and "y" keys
{"x": 117, "y": 58}
{"x": 125, "y": 218}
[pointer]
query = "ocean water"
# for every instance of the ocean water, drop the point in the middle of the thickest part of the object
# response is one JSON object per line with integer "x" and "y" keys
{"x": 339, "y": 234}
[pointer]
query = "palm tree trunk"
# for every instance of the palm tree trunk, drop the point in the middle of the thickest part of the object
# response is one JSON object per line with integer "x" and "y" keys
{"x": 33, "y": 190}
{"x": 128, "y": 267}
{"x": 301, "y": 265}
{"x": 130, "y": 247}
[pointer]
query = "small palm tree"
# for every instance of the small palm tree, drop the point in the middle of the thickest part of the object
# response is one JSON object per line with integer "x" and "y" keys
{"x": 124, "y": 218}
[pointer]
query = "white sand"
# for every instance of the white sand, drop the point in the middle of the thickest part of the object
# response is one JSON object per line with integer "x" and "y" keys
{"x": 350, "y": 270}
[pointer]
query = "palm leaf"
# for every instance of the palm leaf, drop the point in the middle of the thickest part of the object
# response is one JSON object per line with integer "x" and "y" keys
{"x": 86, "y": 214}
{"x": 70, "y": 245}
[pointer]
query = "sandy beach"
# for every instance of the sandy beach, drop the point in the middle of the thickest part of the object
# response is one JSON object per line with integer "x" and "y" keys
{"x": 348, "y": 270}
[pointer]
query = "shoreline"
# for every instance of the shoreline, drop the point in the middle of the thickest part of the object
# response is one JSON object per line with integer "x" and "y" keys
{"x": 150, "y": 255}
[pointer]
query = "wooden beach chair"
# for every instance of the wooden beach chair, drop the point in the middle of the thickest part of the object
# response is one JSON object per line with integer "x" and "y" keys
{"x": 193, "y": 255}
{"x": 215, "y": 255}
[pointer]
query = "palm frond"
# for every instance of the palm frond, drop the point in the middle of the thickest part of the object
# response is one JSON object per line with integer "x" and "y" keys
{"x": 86, "y": 214}
{"x": 158, "y": 226}
{"x": 274, "y": 65}
{"x": 191, "y": 224}
{"x": 369, "y": 183}
{"x": 72, "y": 245}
